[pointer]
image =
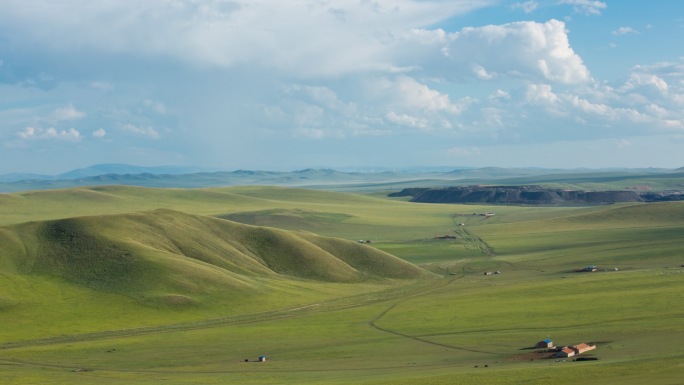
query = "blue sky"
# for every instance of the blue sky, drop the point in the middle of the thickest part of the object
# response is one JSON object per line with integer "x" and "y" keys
{"x": 285, "y": 84}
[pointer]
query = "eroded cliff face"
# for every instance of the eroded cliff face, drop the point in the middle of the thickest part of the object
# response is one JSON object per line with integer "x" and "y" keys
{"x": 524, "y": 195}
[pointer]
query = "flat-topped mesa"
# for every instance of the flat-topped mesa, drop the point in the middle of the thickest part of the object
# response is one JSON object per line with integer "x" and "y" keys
{"x": 525, "y": 195}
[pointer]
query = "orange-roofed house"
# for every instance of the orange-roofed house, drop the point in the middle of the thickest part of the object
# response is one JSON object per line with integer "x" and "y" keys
{"x": 581, "y": 348}
{"x": 565, "y": 352}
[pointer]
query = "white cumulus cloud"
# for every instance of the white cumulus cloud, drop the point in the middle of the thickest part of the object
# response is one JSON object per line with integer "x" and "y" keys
{"x": 624, "y": 31}
{"x": 67, "y": 113}
{"x": 540, "y": 94}
{"x": 521, "y": 49}
{"x": 256, "y": 74}
{"x": 303, "y": 37}
{"x": 30, "y": 133}
{"x": 407, "y": 120}
{"x": 146, "y": 131}
{"x": 527, "y": 6}
{"x": 499, "y": 95}
{"x": 407, "y": 92}
{"x": 99, "y": 133}
{"x": 646, "y": 79}
{"x": 588, "y": 7}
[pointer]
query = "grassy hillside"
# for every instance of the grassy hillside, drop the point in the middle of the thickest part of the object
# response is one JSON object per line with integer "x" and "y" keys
{"x": 195, "y": 265}
{"x": 124, "y": 253}
{"x": 67, "y": 203}
{"x": 281, "y": 295}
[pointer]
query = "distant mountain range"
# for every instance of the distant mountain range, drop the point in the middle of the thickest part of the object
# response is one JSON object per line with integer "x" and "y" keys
{"x": 360, "y": 179}
{"x": 104, "y": 169}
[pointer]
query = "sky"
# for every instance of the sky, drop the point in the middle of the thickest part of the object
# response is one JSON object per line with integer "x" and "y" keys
{"x": 292, "y": 84}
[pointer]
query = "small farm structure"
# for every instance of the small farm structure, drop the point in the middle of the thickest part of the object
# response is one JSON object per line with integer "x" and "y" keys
{"x": 262, "y": 358}
{"x": 565, "y": 352}
{"x": 581, "y": 348}
{"x": 575, "y": 350}
{"x": 544, "y": 344}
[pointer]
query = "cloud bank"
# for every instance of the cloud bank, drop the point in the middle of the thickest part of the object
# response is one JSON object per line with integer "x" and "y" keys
{"x": 244, "y": 81}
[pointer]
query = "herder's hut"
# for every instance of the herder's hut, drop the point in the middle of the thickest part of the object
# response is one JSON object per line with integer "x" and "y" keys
{"x": 581, "y": 348}
{"x": 544, "y": 344}
{"x": 565, "y": 352}
{"x": 262, "y": 358}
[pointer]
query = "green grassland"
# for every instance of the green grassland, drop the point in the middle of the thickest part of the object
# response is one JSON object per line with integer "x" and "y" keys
{"x": 119, "y": 285}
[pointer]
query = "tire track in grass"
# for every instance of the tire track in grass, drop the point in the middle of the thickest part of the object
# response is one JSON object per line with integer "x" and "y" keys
{"x": 96, "y": 372}
{"x": 296, "y": 312}
{"x": 561, "y": 257}
{"x": 520, "y": 266}
{"x": 475, "y": 243}
{"x": 674, "y": 317}
{"x": 472, "y": 241}
{"x": 404, "y": 293}
{"x": 373, "y": 324}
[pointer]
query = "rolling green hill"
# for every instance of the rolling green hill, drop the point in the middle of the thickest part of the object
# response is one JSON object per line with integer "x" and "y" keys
{"x": 68, "y": 203}
{"x": 167, "y": 251}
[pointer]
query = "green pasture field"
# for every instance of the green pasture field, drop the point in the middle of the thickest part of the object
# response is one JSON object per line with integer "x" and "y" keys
{"x": 457, "y": 326}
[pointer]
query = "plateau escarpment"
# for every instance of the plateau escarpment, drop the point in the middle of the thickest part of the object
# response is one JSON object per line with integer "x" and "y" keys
{"x": 526, "y": 195}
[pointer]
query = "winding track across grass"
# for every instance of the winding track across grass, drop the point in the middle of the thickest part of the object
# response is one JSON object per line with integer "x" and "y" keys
{"x": 374, "y": 325}
{"x": 300, "y": 311}
{"x": 472, "y": 242}
{"x": 397, "y": 294}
